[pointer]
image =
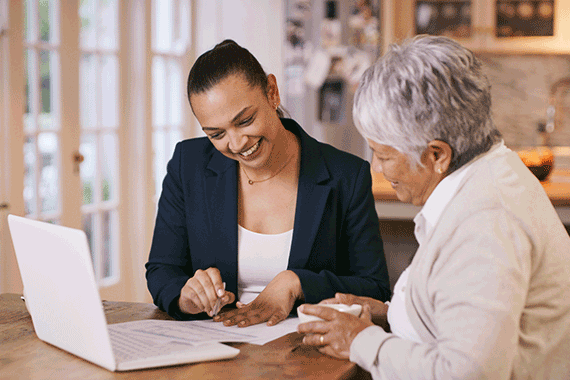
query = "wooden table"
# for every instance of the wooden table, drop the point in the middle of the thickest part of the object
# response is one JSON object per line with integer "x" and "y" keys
{"x": 24, "y": 356}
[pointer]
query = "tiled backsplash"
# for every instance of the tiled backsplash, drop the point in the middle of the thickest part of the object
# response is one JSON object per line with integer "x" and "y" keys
{"x": 521, "y": 92}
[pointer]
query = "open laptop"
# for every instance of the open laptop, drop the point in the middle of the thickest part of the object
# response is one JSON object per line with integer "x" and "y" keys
{"x": 63, "y": 300}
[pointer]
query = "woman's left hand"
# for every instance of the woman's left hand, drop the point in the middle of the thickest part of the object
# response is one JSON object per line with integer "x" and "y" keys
{"x": 272, "y": 305}
{"x": 335, "y": 333}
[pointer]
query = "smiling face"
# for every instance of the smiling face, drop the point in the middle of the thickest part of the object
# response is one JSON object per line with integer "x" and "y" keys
{"x": 412, "y": 183}
{"x": 240, "y": 120}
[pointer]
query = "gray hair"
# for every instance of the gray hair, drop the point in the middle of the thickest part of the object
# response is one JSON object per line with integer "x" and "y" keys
{"x": 428, "y": 88}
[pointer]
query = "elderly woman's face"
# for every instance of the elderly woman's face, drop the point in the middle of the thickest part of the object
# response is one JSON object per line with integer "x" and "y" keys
{"x": 413, "y": 183}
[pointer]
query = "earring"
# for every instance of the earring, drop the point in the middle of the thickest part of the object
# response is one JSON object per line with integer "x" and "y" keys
{"x": 439, "y": 171}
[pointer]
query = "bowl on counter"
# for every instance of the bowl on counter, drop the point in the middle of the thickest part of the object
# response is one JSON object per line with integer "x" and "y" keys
{"x": 539, "y": 160}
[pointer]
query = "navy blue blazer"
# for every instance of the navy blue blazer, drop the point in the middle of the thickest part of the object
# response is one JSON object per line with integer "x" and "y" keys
{"x": 336, "y": 244}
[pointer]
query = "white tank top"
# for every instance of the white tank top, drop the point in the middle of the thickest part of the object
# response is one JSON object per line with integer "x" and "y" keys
{"x": 260, "y": 258}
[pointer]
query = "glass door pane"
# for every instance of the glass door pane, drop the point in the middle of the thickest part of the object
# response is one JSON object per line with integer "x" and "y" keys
{"x": 42, "y": 127}
{"x": 171, "y": 31}
{"x": 99, "y": 116}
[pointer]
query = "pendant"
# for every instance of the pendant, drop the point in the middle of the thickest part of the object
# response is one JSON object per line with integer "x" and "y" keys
{"x": 250, "y": 182}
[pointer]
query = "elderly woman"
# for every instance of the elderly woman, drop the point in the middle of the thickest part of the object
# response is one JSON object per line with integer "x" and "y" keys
{"x": 487, "y": 294}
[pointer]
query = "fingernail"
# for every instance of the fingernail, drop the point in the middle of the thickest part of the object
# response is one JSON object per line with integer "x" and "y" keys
{"x": 304, "y": 340}
{"x": 220, "y": 292}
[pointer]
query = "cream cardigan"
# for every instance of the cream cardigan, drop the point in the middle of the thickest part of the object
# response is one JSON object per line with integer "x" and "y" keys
{"x": 489, "y": 291}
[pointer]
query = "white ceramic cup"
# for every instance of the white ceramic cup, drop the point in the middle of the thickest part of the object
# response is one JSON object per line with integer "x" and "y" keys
{"x": 351, "y": 309}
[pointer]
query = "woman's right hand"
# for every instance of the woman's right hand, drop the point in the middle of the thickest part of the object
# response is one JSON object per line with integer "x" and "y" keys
{"x": 201, "y": 292}
{"x": 378, "y": 309}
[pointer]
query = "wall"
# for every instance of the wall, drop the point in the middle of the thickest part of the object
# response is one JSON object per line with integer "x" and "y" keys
{"x": 521, "y": 88}
{"x": 257, "y": 25}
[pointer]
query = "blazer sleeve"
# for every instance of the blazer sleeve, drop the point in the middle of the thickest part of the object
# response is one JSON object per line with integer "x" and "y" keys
{"x": 169, "y": 265}
{"x": 362, "y": 270}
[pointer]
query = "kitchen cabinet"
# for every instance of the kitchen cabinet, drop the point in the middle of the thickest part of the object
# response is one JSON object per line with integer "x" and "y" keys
{"x": 401, "y": 18}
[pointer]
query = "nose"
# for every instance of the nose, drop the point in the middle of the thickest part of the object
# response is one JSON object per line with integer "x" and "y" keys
{"x": 376, "y": 165}
{"x": 236, "y": 141}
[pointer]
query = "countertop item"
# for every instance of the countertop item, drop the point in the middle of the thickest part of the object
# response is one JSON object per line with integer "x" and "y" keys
{"x": 539, "y": 160}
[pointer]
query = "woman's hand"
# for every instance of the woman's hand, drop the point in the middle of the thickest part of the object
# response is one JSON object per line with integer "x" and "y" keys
{"x": 273, "y": 304}
{"x": 201, "y": 292}
{"x": 378, "y": 309}
{"x": 335, "y": 333}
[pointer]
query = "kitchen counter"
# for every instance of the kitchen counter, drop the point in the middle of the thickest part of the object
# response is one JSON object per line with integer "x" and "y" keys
{"x": 388, "y": 206}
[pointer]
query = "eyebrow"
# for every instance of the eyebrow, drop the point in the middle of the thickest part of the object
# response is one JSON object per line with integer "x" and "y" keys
{"x": 234, "y": 120}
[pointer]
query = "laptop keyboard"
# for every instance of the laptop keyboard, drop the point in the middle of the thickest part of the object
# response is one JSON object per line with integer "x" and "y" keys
{"x": 128, "y": 347}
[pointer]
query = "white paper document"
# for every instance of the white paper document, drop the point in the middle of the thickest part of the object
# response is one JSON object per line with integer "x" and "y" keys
{"x": 206, "y": 331}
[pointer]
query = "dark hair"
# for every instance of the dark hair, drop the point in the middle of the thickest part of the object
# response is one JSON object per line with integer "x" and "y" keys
{"x": 225, "y": 59}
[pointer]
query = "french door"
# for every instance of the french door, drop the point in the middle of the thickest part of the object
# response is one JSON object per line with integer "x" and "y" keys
{"x": 92, "y": 101}
{"x": 60, "y": 159}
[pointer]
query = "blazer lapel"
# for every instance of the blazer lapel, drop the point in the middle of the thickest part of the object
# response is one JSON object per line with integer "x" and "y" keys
{"x": 312, "y": 197}
{"x": 221, "y": 195}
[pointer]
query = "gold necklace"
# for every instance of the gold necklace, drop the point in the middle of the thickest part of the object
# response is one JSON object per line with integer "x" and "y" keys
{"x": 251, "y": 182}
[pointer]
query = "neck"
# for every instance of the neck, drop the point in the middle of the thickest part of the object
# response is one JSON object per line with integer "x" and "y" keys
{"x": 283, "y": 152}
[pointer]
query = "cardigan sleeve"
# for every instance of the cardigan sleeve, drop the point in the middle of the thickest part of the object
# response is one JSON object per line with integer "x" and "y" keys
{"x": 477, "y": 288}
{"x": 360, "y": 246}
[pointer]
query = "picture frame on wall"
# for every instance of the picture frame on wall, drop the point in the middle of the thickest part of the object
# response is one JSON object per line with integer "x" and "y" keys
{"x": 451, "y": 18}
{"x": 524, "y": 18}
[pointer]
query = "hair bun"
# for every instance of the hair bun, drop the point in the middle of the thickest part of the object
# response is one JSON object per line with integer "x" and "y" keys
{"x": 227, "y": 42}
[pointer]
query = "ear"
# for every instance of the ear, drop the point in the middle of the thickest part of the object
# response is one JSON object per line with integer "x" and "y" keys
{"x": 273, "y": 91}
{"x": 438, "y": 155}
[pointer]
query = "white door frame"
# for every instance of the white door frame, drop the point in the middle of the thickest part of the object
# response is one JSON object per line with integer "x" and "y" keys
{"x": 12, "y": 159}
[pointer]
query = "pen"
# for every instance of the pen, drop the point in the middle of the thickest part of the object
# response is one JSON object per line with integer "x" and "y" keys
{"x": 218, "y": 303}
